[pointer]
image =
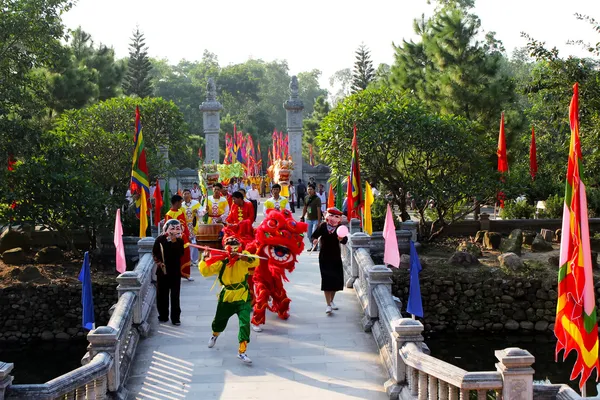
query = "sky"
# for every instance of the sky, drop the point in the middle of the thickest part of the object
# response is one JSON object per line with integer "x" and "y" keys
{"x": 312, "y": 34}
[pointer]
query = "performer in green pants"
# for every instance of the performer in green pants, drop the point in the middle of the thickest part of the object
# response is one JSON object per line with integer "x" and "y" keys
{"x": 232, "y": 270}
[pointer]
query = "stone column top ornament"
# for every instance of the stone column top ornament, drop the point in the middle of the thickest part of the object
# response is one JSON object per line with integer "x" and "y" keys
{"x": 211, "y": 103}
{"x": 294, "y": 102}
{"x": 514, "y": 357}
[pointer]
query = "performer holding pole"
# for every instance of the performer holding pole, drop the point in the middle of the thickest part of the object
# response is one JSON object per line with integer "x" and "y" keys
{"x": 234, "y": 297}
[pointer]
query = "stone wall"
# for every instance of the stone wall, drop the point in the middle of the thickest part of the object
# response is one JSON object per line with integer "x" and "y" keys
{"x": 484, "y": 299}
{"x": 48, "y": 312}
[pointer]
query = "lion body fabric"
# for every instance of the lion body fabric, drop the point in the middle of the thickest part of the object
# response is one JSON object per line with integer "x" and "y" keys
{"x": 279, "y": 238}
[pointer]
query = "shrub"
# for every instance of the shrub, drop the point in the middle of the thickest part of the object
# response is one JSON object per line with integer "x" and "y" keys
{"x": 554, "y": 207}
{"x": 517, "y": 210}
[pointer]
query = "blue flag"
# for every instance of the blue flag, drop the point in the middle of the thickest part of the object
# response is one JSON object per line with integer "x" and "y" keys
{"x": 415, "y": 305}
{"x": 87, "y": 301}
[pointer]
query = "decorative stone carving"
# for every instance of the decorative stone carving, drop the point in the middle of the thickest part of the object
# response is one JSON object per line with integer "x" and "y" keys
{"x": 293, "y": 107}
{"x": 515, "y": 366}
{"x": 211, "y": 122}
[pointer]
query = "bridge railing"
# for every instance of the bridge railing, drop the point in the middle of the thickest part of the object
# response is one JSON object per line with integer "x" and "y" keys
{"x": 414, "y": 373}
{"x": 111, "y": 348}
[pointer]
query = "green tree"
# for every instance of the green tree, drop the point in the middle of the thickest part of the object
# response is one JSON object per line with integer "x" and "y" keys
{"x": 404, "y": 147}
{"x": 311, "y": 126}
{"x": 363, "y": 73}
{"x": 341, "y": 85}
{"x": 137, "y": 78}
{"x": 450, "y": 70}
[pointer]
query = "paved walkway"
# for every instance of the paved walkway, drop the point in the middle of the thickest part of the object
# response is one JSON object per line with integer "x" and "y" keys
{"x": 309, "y": 356}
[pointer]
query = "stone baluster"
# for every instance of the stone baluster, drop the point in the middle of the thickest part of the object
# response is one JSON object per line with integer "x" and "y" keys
{"x": 105, "y": 339}
{"x": 130, "y": 282}
{"x": 405, "y": 330}
{"x": 5, "y": 377}
{"x": 376, "y": 275}
{"x": 354, "y": 226}
{"x": 515, "y": 366}
{"x": 357, "y": 240}
{"x": 145, "y": 247}
{"x": 484, "y": 222}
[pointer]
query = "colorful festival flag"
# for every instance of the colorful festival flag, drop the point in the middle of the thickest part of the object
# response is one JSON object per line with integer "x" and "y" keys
{"x": 576, "y": 328}
{"x": 331, "y": 198}
{"x": 139, "y": 168}
{"x": 118, "y": 241}
{"x": 502, "y": 160}
{"x": 532, "y": 156}
{"x": 311, "y": 157}
{"x": 415, "y": 303}
{"x": 166, "y": 201}
{"x": 369, "y": 199}
{"x": 355, "y": 198}
{"x": 87, "y": 299}
{"x": 339, "y": 194}
{"x": 391, "y": 254}
{"x": 143, "y": 214}
{"x": 158, "y": 203}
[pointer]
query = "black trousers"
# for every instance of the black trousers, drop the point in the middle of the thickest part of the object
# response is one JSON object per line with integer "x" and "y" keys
{"x": 301, "y": 197}
{"x": 255, "y": 205}
{"x": 168, "y": 287}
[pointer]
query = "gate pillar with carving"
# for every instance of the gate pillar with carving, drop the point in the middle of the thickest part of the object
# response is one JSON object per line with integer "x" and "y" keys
{"x": 212, "y": 123}
{"x": 293, "y": 107}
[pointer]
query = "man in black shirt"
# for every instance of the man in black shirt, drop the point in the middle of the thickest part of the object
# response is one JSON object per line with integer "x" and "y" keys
{"x": 167, "y": 251}
{"x": 300, "y": 192}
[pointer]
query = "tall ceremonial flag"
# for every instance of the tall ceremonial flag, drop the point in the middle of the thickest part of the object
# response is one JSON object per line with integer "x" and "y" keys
{"x": 415, "y": 303}
{"x": 369, "y": 199}
{"x": 502, "y": 159}
{"x": 166, "y": 201}
{"x": 331, "y": 198}
{"x": 339, "y": 194}
{"x": 258, "y": 154}
{"x": 87, "y": 299}
{"x": 355, "y": 198}
{"x": 576, "y": 327}
{"x": 139, "y": 168}
{"x": 532, "y": 156}
{"x": 143, "y": 214}
{"x": 158, "y": 203}
{"x": 118, "y": 241}
{"x": 391, "y": 254}
{"x": 311, "y": 157}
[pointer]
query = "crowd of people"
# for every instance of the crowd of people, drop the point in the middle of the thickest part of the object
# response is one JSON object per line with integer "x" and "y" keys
{"x": 232, "y": 206}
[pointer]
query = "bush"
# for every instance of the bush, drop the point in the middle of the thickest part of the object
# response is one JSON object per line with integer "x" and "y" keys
{"x": 517, "y": 210}
{"x": 378, "y": 210}
{"x": 554, "y": 207}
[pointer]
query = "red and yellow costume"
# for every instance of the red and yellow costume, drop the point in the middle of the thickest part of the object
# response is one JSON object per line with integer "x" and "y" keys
{"x": 186, "y": 258}
{"x": 237, "y": 214}
{"x": 280, "y": 238}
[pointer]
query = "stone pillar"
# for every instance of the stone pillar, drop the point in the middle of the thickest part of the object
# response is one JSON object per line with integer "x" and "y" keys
{"x": 355, "y": 225}
{"x": 5, "y": 377}
{"x": 411, "y": 226}
{"x": 357, "y": 240}
{"x": 212, "y": 123}
{"x": 145, "y": 247}
{"x": 404, "y": 330}
{"x": 105, "y": 338}
{"x": 129, "y": 282}
{"x": 376, "y": 275}
{"x": 484, "y": 222}
{"x": 515, "y": 366}
{"x": 293, "y": 107}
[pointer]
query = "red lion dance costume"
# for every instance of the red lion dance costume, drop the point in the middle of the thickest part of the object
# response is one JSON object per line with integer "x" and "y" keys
{"x": 281, "y": 239}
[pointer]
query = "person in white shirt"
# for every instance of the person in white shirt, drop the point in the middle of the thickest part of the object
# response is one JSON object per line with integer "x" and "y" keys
{"x": 196, "y": 192}
{"x": 321, "y": 194}
{"x": 254, "y": 198}
{"x": 292, "y": 197}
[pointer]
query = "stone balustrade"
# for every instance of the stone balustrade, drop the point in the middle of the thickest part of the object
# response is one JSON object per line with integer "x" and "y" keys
{"x": 112, "y": 347}
{"x": 415, "y": 374}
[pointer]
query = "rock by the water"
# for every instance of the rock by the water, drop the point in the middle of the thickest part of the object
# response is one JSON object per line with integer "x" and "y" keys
{"x": 513, "y": 243}
{"x": 47, "y": 335}
{"x": 557, "y": 234}
{"x": 511, "y": 325}
{"x": 528, "y": 237}
{"x": 62, "y": 336}
{"x": 469, "y": 247}
{"x": 15, "y": 272}
{"x": 14, "y": 256}
{"x": 526, "y": 325}
{"x": 404, "y": 260}
{"x": 554, "y": 260}
{"x": 541, "y": 326}
{"x": 540, "y": 245}
{"x": 49, "y": 255}
{"x": 547, "y": 234}
{"x": 491, "y": 240}
{"x": 11, "y": 239}
{"x": 463, "y": 258}
{"x": 510, "y": 261}
{"x": 479, "y": 236}
{"x": 32, "y": 274}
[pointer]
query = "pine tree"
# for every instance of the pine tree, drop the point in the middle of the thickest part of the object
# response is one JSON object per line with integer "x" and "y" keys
{"x": 363, "y": 73}
{"x": 137, "y": 78}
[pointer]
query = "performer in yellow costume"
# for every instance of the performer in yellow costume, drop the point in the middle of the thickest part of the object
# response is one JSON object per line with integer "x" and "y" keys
{"x": 276, "y": 201}
{"x": 191, "y": 209}
{"x": 231, "y": 267}
{"x": 217, "y": 206}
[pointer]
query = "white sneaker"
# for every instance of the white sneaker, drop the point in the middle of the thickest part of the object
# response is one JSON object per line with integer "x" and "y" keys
{"x": 244, "y": 358}
{"x": 257, "y": 328}
{"x": 333, "y": 306}
{"x": 190, "y": 279}
{"x": 212, "y": 341}
{"x": 328, "y": 310}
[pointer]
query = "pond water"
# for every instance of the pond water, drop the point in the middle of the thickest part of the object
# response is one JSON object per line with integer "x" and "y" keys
{"x": 475, "y": 352}
{"x": 39, "y": 362}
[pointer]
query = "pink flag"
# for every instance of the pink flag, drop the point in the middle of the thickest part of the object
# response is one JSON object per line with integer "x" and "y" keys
{"x": 118, "y": 240}
{"x": 391, "y": 255}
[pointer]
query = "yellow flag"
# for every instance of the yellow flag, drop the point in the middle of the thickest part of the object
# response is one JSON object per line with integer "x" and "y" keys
{"x": 143, "y": 214}
{"x": 368, "y": 223}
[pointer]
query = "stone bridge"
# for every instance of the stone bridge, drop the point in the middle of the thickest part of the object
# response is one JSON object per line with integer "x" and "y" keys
{"x": 366, "y": 350}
